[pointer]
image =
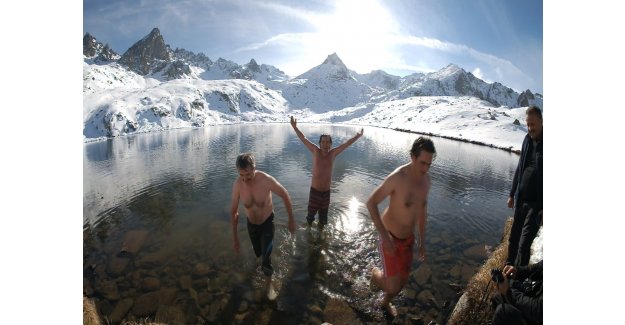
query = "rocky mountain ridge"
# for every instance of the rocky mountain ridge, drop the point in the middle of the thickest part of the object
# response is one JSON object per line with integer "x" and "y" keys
{"x": 152, "y": 87}
{"x": 152, "y": 57}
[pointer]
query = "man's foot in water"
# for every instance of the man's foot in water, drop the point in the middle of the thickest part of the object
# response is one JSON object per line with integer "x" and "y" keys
{"x": 271, "y": 292}
{"x": 375, "y": 273}
{"x": 390, "y": 309}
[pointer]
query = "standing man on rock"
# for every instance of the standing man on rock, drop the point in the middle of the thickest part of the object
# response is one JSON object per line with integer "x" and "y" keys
{"x": 408, "y": 187}
{"x": 527, "y": 187}
{"x": 323, "y": 160}
{"x": 254, "y": 188}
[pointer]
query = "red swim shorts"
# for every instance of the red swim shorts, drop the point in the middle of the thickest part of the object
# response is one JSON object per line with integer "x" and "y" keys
{"x": 402, "y": 261}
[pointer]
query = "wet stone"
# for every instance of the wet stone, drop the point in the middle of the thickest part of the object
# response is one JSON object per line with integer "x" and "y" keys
{"x": 185, "y": 282}
{"x": 410, "y": 293}
{"x": 477, "y": 252}
{"x": 146, "y": 304}
{"x": 86, "y": 287}
{"x": 108, "y": 289}
{"x": 104, "y": 306}
{"x": 121, "y": 309}
{"x": 201, "y": 269}
{"x": 456, "y": 271}
{"x": 240, "y": 318}
{"x": 205, "y": 298}
{"x": 117, "y": 265}
{"x": 166, "y": 296}
{"x": 243, "y": 306}
{"x": 426, "y": 298}
{"x": 200, "y": 283}
{"x": 248, "y": 295}
{"x": 422, "y": 274}
{"x": 414, "y": 320}
{"x": 151, "y": 284}
{"x": 315, "y": 309}
{"x": 172, "y": 315}
{"x": 134, "y": 240}
{"x": 467, "y": 272}
{"x": 339, "y": 312}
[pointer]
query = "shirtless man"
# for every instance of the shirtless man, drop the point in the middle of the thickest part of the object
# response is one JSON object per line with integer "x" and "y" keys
{"x": 254, "y": 188}
{"x": 323, "y": 159}
{"x": 408, "y": 188}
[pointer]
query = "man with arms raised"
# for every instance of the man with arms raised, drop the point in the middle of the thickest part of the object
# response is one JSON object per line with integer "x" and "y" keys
{"x": 323, "y": 159}
{"x": 254, "y": 188}
{"x": 408, "y": 188}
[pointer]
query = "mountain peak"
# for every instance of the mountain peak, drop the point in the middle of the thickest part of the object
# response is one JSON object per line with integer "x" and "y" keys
{"x": 144, "y": 56}
{"x": 155, "y": 32}
{"x": 334, "y": 59}
{"x": 452, "y": 68}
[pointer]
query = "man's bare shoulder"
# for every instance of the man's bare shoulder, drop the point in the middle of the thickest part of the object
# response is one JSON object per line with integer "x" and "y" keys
{"x": 237, "y": 183}
{"x": 264, "y": 177}
{"x": 401, "y": 171}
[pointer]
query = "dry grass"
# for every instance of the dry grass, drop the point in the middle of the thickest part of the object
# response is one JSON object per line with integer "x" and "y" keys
{"x": 90, "y": 316}
{"x": 89, "y": 312}
{"x": 477, "y": 308}
{"x": 142, "y": 322}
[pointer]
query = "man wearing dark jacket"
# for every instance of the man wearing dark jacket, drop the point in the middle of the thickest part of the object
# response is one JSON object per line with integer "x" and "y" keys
{"x": 519, "y": 299}
{"x": 527, "y": 188}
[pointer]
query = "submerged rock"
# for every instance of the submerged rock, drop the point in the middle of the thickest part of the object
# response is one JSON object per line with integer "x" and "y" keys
{"x": 339, "y": 312}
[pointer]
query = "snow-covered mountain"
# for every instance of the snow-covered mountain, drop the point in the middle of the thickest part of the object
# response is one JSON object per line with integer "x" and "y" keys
{"x": 326, "y": 87}
{"x": 152, "y": 87}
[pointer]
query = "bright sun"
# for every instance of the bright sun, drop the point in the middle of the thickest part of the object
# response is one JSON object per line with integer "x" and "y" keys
{"x": 359, "y": 31}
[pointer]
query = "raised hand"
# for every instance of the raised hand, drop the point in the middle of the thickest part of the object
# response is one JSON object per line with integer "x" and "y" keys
{"x": 293, "y": 122}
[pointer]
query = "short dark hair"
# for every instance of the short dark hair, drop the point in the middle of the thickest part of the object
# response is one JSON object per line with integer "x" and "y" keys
{"x": 534, "y": 110}
{"x": 325, "y": 135}
{"x": 423, "y": 143}
{"x": 245, "y": 161}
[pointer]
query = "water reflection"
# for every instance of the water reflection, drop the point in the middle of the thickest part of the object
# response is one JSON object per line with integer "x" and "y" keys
{"x": 174, "y": 189}
{"x": 349, "y": 221}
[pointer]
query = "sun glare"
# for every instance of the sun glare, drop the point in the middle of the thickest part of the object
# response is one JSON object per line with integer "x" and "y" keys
{"x": 359, "y": 31}
{"x": 350, "y": 220}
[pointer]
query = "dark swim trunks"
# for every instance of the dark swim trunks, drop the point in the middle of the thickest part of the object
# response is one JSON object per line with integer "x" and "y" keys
{"x": 318, "y": 201}
{"x": 402, "y": 261}
{"x": 262, "y": 241}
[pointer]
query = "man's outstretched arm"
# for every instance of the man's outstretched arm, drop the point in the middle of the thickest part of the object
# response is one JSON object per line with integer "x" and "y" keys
{"x": 349, "y": 142}
{"x": 311, "y": 146}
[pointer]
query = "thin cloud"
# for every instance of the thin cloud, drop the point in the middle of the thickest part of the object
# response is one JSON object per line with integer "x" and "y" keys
{"x": 280, "y": 40}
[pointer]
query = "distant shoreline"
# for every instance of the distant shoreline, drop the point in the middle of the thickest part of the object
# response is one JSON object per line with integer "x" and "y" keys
{"x": 518, "y": 152}
{"x": 508, "y": 149}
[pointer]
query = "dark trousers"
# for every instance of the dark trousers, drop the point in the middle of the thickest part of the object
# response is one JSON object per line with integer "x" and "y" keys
{"x": 262, "y": 241}
{"x": 524, "y": 229}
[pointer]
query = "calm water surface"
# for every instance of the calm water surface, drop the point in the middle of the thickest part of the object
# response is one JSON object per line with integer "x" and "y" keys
{"x": 167, "y": 195}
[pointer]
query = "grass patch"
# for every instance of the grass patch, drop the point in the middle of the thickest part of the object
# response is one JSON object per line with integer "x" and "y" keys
{"x": 475, "y": 305}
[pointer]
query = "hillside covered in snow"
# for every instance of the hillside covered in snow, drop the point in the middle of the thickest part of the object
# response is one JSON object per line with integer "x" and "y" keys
{"x": 151, "y": 87}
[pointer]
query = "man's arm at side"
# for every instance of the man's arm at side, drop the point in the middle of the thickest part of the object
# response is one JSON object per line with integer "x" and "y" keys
{"x": 348, "y": 143}
{"x": 280, "y": 191}
{"x": 234, "y": 215}
{"x": 421, "y": 222}
{"x": 378, "y": 195}
{"x": 311, "y": 146}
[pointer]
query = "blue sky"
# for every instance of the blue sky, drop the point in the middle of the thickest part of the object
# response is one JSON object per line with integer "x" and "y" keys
{"x": 496, "y": 40}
